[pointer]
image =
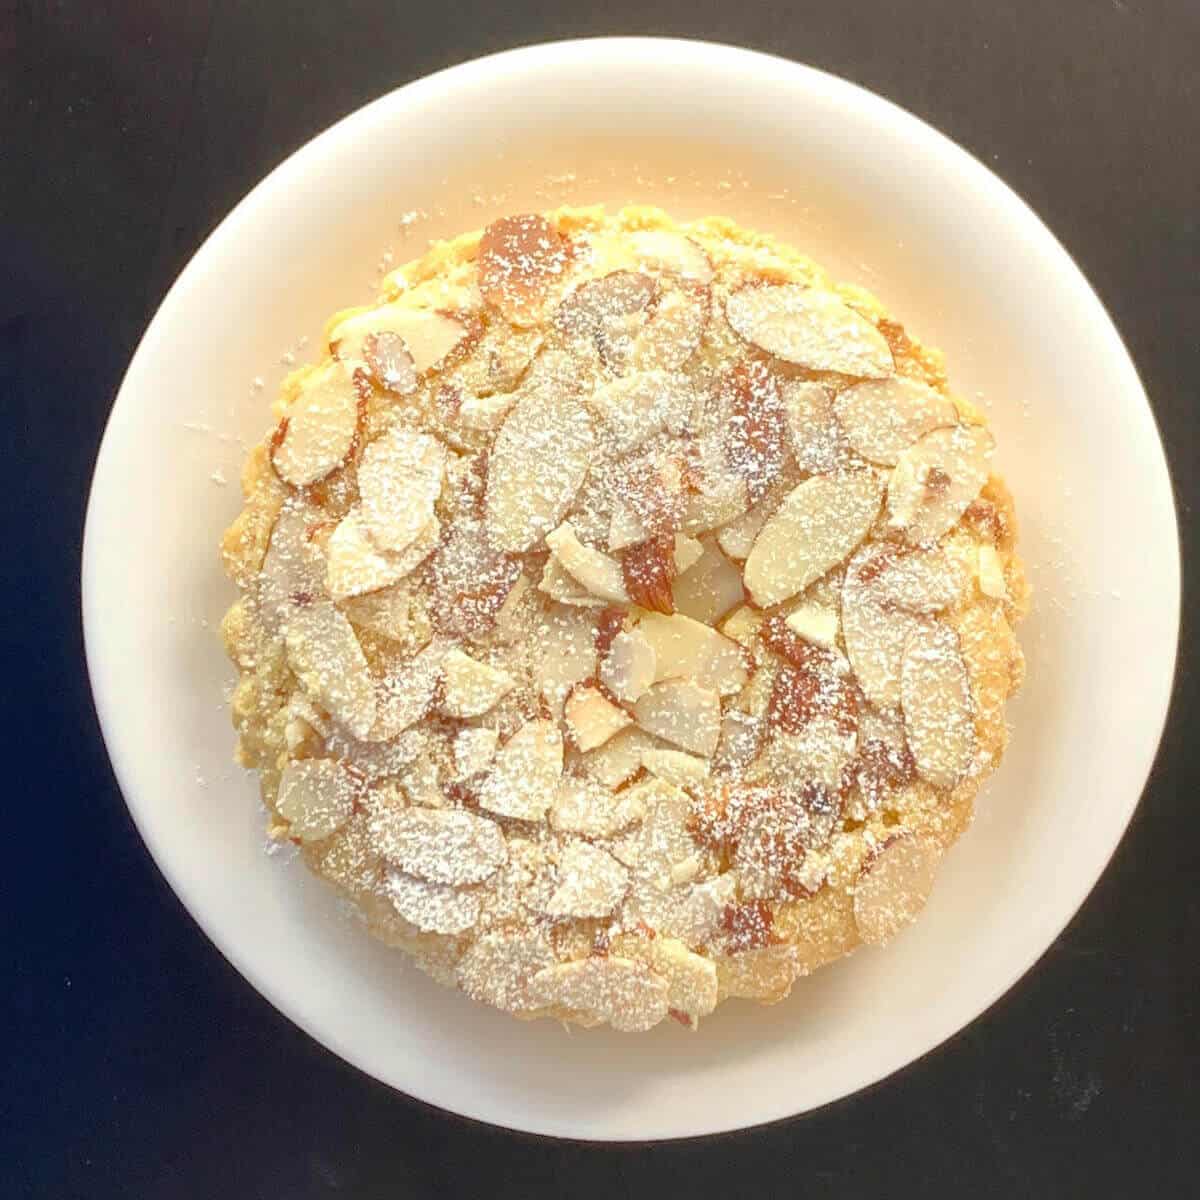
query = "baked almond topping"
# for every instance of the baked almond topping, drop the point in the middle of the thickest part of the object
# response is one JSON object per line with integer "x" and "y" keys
{"x": 624, "y": 622}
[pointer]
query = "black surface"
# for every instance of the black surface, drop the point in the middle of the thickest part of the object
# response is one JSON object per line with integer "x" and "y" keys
{"x": 133, "y": 1060}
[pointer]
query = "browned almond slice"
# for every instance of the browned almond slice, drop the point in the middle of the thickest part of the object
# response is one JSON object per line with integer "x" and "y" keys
{"x": 327, "y": 659}
{"x": 592, "y": 569}
{"x": 883, "y": 417}
{"x": 524, "y": 778}
{"x": 316, "y": 798}
{"x": 664, "y": 250}
{"x": 606, "y": 314}
{"x": 522, "y": 261}
{"x": 673, "y": 331}
{"x": 319, "y": 427}
{"x": 292, "y": 572}
{"x": 936, "y": 478}
{"x": 390, "y": 363}
{"x": 809, "y": 327}
{"x": 588, "y": 808}
{"x": 399, "y": 479}
{"x": 683, "y": 713}
{"x": 815, "y": 434}
{"x": 721, "y": 493}
{"x": 894, "y": 887}
{"x": 630, "y": 666}
{"x": 592, "y": 718}
{"x": 471, "y": 687}
{"x": 756, "y": 430}
{"x": 428, "y": 336}
{"x": 875, "y": 636}
{"x": 687, "y": 649}
{"x": 536, "y": 466}
{"x": 432, "y": 907}
{"x": 633, "y": 408}
{"x": 439, "y": 844}
{"x": 474, "y": 749}
{"x": 620, "y": 991}
{"x": 591, "y": 882}
{"x": 819, "y": 523}
{"x": 356, "y": 566}
{"x": 710, "y": 588}
{"x": 935, "y": 697}
{"x": 498, "y": 967}
{"x": 648, "y": 570}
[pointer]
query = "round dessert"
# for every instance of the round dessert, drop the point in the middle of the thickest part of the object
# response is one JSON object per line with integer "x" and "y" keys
{"x": 626, "y": 616}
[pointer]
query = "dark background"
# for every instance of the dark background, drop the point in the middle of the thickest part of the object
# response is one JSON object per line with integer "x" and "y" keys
{"x": 134, "y": 1062}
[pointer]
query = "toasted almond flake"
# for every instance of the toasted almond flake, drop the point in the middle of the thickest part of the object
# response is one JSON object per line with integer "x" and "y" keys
{"x": 991, "y": 573}
{"x": 617, "y": 761}
{"x": 630, "y": 666}
{"x": 894, "y": 887}
{"x": 428, "y": 336}
{"x": 592, "y": 569}
{"x": 709, "y": 588}
{"x": 498, "y": 967}
{"x": 588, "y": 808}
{"x": 474, "y": 749}
{"x": 633, "y": 408}
{"x": 683, "y": 713}
{"x": 741, "y": 737}
{"x": 591, "y": 718}
{"x": 924, "y": 580}
{"x": 875, "y": 635}
{"x": 624, "y": 993}
{"x": 935, "y": 480}
{"x": 471, "y": 687}
{"x": 485, "y": 412}
{"x": 330, "y": 665}
{"x": 316, "y": 798}
{"x": 815, "y": 623}
{"x": 691, "y": 978}
{"x": 356, "y": 567}
{"x": 536, "y": 466}
{"x": 883, "y": 417}
{"x": 935, "y": 697}
{"x": 405, "y": 694}
{"x": 816, "y": 437}
{"x": 674, "y": 253}
{"x": 722, "y": 494}
{"x": 737, "y": 538}
{"x": 565, "y": 654}
{"x": 687, "y": 649}
{"x": 591, "y": 882}
{"x": 441, "y": 845}
{"x": 674, "y": 766}
{"x": 688, "y": 552}
{"x": 819, "y": 523}
{"x": 673, "y": 331}
{"x": 811, "y": 328}
{"x": 742, "y": 625}
{"x": 432, "y": 907}
{"x": 522, "y": 261}
{"x": 648, "y": 571}
{"x": 664, "y": 839}
{"x": 625, "y": 528}
{"x": 524, "y": 778}
{"x": 399, "y": 479}
{"x": 390, "y": 364}
{"x": 320, "y": 427}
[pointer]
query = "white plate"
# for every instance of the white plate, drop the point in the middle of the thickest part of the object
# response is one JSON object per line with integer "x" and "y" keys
{"x": 881, "y": 199}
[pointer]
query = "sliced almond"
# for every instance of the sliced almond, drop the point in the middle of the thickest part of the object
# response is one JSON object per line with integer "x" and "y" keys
{"x": 586, "y": 807}
{"x": 536, "y": 466}
{"x": 741, "y": 739}
{"x": 664, "y": 250}
{"x": 687, "y": 649}
{"x": 559, "y": 585}
{"x": 429, "y": 336}
{"x": 815, "y": 623}
{"x": 709, "y": 588}
{"x": 742, "y": 625}
{"x": 648, "y": 571}
{"x": 292, "y": 573}
{"x": 809, "y": 327}
{"x": 441, "y": 845}
{"x": 474, "y": 750}
{"x": 688, "y": 552}
{"x": 683, "y": 713}
{"x": 591, "y": 882}
{"x": 432, "y": 907}
{"x": 327, "y": 659}
{"x": 895, "y": 884}
{"x": 620, "y": 991}
{"x": 755, "y": 432}
{"x": 404, "y": 695}
{"x": 399, "y": 479}
{"x": 875, "y": 635}
{"x": 673, "y": 331}
{"x": 498, "y": 967}
{"x": 816, "y": 437}
{"x": 883, "y": 417}
{"x": 471, "y": 687}
{"x": 935, "y": 697}
{"x": 522, "y": 261}
{"x": 619, "y": 760}
{"x": 356, "y": 566}
{"x": 935, "y": 480}
{"x": 924, "y": 580}
{"x": 316, "y": 798}
{"x": 319, "y": 427}
{"x": 664, "y": 840}
{"x": 819, "y": 523}
{"x": 675, "y": 766}
{"x": 625, "y": 528}
{"x": 691, "y": 978}
{"x": 485, "y": 412}
{"x": 721, "y": 494}
{"x": 592, "y": 718}
{"x": 737, "y": 538}
{"x": 633, "y": 408}
{"x": 991, "y": 573}
{"x": 592, "y": 569}
{"x": 524, "y": 778}
{"x": 390, "y": 364}
{"x": 563, "y": 654}
{"x": 604, "y": 316}
{"x": 629, "y": 668}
